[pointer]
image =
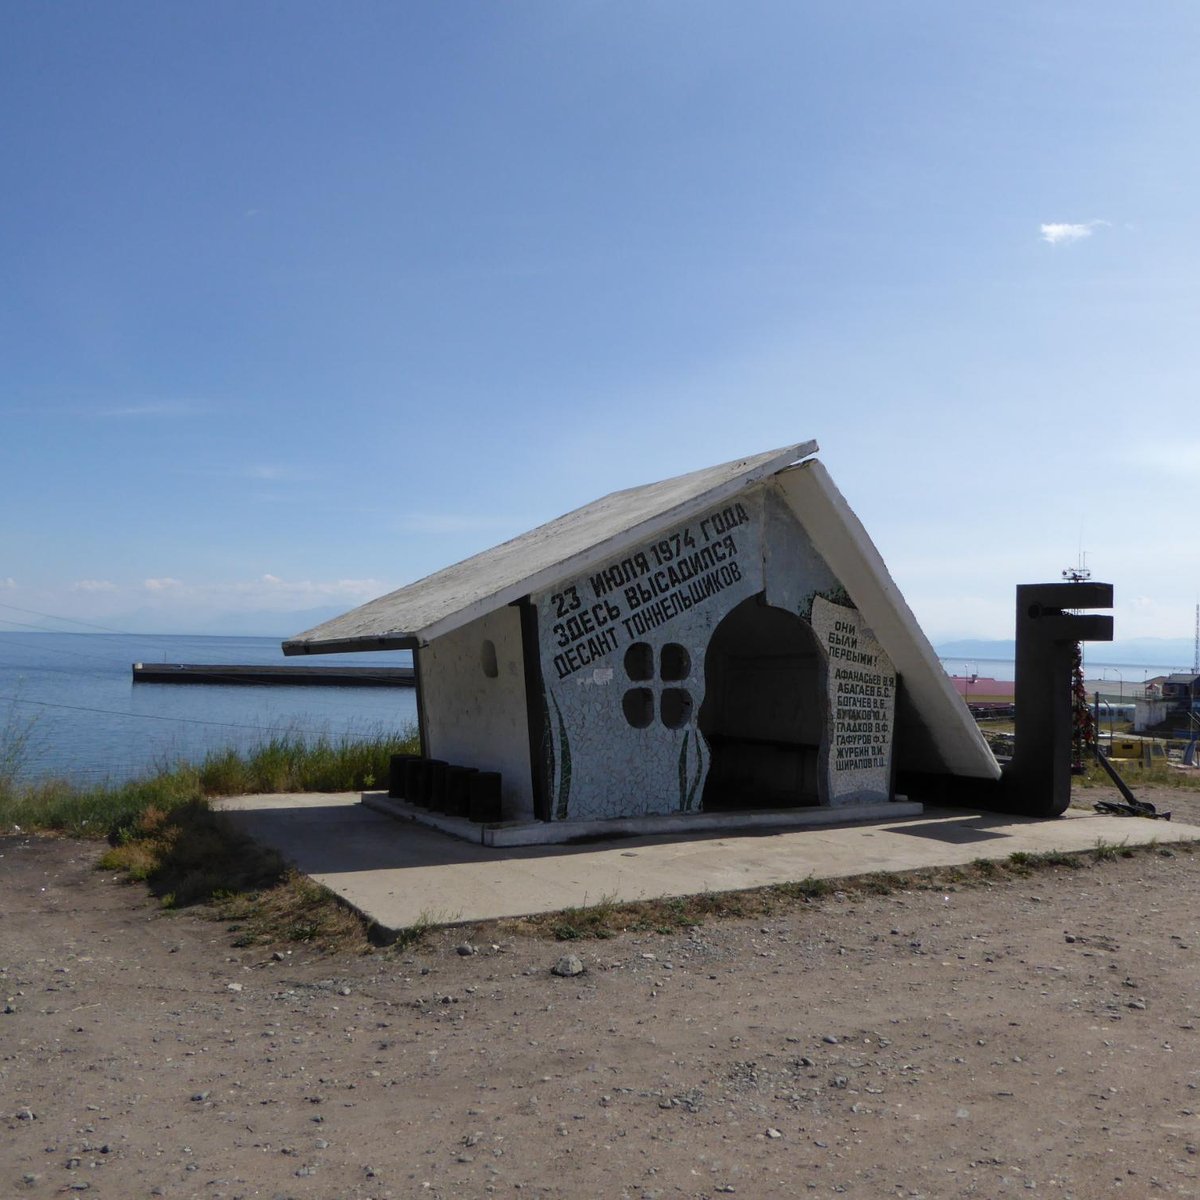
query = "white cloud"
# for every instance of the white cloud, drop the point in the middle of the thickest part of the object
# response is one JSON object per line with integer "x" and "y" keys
{"x": 1060, "y": 233}
{"x": 454, "y": 523}
{"x": 188, "y": 602}
{"x": 165, "y": 603}
{"x": 267, "y": 589}
{"x": 270, "y": 471}
{"x": 300, "y": 589}
{"x": 159, "y": 408}
{"x": 258, "y": 472}
{"x": 1176, "y": 457}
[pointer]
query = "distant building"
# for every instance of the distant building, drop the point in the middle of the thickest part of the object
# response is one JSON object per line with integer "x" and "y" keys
{"x": 983, "y": 687}
{"x": 1182, "y": 690}
{"x": 1169, "y": 700}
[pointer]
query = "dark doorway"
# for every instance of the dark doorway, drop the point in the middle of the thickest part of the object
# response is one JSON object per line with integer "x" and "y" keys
{"x": 764, "y": 710}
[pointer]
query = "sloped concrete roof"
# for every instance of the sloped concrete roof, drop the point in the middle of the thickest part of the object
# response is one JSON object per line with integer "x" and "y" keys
{"x": 571, "y": 544}
{"x": 953, "y": 738}
{"x": 448, "y": 599}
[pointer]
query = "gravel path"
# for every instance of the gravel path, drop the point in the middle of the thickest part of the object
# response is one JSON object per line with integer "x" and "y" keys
{"x": 1036, "y": 1036}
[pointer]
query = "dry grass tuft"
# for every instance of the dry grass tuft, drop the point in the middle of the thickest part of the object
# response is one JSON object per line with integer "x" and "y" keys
{"x": 610, "y": 917}
{"x": 164, "y": 834}
{"x": 192, "y": 856}
{"x": 294, "y": 910}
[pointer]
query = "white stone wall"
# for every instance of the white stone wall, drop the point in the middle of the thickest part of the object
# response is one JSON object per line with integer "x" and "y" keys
{"x": 1149, "y": 712}
{"x": 473, "y": 720}
{"x": 795, "y": 573}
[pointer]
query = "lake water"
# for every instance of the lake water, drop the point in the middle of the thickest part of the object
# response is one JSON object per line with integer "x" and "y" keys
{"x": 1131, "y": 675}
{"x": 72, "y": 699}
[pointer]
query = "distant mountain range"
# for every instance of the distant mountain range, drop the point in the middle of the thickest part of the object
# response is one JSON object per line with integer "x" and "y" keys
{"x": 263, "y": 623}
{"x": 269, "y": 624}
{"x": 1142, "y": 652}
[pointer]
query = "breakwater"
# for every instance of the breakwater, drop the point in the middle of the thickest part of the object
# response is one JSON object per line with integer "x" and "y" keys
{"x": 234, "y": 674}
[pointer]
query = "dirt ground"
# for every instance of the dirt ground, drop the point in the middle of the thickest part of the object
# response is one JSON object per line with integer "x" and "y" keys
{"x": 1037, "y": 1035}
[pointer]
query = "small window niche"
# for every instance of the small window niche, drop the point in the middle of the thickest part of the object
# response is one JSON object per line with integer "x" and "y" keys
{"x": 674, "y": 663}
{"x": 676, "y": 708}
{"x": 638, "y": 705}
{"x": 639, "y": 661}
{"x": 487, "y": 658}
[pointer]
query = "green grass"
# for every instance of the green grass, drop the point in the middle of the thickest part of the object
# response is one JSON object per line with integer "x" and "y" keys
{"x": 298, "y": 764}
{"x": 592, "y": 920}
{"x": 94, "y": 811}
{"x": 1111, "y": 851}
{"x": 290, "y": 763}
{"x": 17, "y": 736}
{"x": 1022, "y": 862}
{"x": 809, "y": 888}
{"x": 1157, "y": 774}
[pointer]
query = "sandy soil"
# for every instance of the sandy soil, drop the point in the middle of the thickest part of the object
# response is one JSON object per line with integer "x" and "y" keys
{"x": 1037, "y": 1036}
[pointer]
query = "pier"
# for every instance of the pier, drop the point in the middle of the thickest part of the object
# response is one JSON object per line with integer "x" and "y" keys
{"x": 281, "y": 676}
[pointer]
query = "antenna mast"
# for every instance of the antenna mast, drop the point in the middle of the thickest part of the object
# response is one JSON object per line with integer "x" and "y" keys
{"x": 1081, "y": 574}
{"x": 1196, "y": 648}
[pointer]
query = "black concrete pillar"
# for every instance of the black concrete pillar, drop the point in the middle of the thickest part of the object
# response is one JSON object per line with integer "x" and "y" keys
{"x": 1037, "y": 782}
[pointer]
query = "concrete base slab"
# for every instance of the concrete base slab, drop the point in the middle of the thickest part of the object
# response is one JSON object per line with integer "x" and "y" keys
{"x": 553, "y": 833}
{"x": 403, "y": 874}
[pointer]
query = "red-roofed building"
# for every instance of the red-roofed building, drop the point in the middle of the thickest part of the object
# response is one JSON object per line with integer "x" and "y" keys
{"x": 982, "y": 687}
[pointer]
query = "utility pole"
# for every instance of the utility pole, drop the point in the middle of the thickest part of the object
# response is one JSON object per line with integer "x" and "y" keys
{"x": 1196, "y": 647}
{"x": 1195, "y": 672}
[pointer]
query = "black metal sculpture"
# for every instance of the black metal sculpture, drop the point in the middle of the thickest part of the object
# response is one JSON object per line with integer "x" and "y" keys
{"x": 1037, "y": 782}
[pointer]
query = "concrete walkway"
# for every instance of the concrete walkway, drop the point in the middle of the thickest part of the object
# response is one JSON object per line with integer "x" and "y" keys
{"x": 400, "y": 874}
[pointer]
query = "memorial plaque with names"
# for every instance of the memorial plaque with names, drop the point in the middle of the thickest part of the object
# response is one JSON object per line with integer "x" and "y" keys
{"x": 862, "y": 706}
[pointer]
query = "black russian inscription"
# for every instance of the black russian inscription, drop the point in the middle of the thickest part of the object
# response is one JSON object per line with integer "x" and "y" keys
{"x": 647, "y": 588}
{"x": 862, "y": 703}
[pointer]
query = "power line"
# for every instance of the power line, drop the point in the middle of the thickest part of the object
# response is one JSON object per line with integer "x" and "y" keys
{"x": 55, "y": 649}
{"x": 22, "y": 671}
{"x": 114, "y": 712}
{"x": 66, "y": 620}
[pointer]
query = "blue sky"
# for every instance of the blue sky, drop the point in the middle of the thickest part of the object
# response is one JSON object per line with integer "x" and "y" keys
{"x": 303, "y": 301}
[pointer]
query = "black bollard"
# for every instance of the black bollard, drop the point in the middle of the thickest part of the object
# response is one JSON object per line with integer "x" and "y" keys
{"x": 435, "y": 784}
{"x": 414, "y": 782}
{"x": 398, "y": 775}
{"x": 485, "y": 797}
{"x": 458, "y": 790}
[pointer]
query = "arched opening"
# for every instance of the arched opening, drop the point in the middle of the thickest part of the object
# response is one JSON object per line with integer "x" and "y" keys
{"x": 763, "y": 714}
